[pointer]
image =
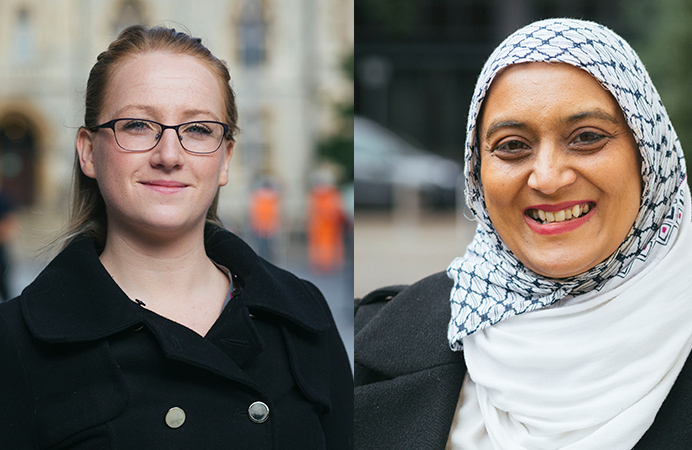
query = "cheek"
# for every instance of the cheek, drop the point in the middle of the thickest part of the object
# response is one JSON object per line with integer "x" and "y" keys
{"x": 631, "y": 192}
{"x": 107, "y": 161}
{"x": 500, "y": 183}
{"x": 113, "y": 171}
{"x": 499, "y": 190}
{"x": 625, "y": 189}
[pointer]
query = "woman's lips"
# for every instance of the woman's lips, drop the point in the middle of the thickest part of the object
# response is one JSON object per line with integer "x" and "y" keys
{"x": 559, "y": 218}
{"x": 165, "y": 186}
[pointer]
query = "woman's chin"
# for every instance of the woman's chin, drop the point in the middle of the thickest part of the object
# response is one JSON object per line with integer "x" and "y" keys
{"x": 562, "y": 260}
{"x": 161, "y": 225}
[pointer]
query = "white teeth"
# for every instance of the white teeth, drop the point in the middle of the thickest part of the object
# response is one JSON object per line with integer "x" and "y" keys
{"x": 560, "y": 216}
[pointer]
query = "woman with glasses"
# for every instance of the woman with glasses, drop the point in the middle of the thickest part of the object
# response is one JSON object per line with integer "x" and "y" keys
{"x": 155, "y": 327}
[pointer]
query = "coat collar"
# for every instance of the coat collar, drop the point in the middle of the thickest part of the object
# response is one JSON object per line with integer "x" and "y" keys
{"x": 75, "y": 299}
{"x": 415, "y": 321}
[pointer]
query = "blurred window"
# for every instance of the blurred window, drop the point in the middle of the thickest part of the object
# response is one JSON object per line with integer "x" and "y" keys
{"x": 252, "y": 29}
{"x": 24, "y": 48}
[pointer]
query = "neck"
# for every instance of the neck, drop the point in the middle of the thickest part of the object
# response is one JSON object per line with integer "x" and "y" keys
{"x": 172, "y": 276}
{"x": 158, "y": 270}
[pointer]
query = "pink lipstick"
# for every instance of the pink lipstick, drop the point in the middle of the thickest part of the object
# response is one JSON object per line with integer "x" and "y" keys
{"x": 165, "y": 186}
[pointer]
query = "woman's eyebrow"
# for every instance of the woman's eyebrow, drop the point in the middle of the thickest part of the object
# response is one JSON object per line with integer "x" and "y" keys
{"x": 190, "y": 113}
{"x": 497, "y": 126}
{"x": 593, "y": 114}
{"x": 151, "y": 110}
{"x": 138, "y": 108}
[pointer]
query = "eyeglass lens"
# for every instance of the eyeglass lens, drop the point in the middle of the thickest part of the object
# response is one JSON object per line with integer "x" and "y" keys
{"x": 143, "y": 135}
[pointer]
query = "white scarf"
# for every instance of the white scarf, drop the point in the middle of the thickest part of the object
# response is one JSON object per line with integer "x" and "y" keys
{"x": 584, "y": 362}
{"x": 590, "y": 373}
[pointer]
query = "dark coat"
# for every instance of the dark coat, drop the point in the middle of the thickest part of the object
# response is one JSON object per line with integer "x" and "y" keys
{"x": 84, "y": 367}
{"x": 408, "y": 380}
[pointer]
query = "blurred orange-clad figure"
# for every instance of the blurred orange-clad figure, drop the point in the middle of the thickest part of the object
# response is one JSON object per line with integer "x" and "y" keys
{"x": 265, "y": 218}
{"x": 265, "y": 214}
{"x": 325, "y": 229}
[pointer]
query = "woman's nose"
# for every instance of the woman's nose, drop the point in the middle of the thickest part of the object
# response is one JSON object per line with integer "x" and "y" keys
{"x": 551, "y": 171}
{"x": 169, "y": 151}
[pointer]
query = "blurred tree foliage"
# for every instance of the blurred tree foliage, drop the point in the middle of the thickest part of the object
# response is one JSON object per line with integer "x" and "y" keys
{"x": 665, "y": 46}
{"x": 338, "y": 146}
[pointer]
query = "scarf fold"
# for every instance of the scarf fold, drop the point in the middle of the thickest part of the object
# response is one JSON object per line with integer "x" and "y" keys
{"x": 583, "y": 362}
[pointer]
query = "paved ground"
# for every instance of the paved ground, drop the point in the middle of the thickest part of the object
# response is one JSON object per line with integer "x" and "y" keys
{"x": 392, "y": 250}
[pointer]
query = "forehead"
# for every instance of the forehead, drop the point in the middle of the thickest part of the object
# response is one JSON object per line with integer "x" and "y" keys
{"x": 168, "y": 83}
{"x": 539, "y": 88}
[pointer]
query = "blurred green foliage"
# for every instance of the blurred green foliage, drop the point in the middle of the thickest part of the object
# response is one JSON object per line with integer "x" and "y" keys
{"x": 664, "y": 43}
{"x": 338, "y": 146}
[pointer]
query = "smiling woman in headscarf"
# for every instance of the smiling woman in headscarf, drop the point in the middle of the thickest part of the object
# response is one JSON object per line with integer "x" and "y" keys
{"x": 571, "y": 315}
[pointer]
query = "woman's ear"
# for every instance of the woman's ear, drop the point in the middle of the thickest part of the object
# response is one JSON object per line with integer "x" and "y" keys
{"x": 85, "y": 150}
{"x": 228, "y": 152}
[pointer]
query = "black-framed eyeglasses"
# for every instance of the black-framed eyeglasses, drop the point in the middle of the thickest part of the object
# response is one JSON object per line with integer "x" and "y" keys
{"x": 201, "y": 137}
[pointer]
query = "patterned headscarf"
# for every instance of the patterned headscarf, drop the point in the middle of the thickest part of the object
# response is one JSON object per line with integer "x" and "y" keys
{"x": 491, "y": 284}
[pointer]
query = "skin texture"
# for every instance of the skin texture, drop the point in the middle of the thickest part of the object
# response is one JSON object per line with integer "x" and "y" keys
{"x": 552, "y": 136}
{"x": 157, "y": 201}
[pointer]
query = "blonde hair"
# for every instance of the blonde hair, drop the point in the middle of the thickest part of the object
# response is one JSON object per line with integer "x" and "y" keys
{"x": 87, "y": 208}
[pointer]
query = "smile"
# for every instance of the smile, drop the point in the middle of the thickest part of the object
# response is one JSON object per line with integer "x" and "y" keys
{"x": 164, "y": 186}
{"x": 563, "y": 215}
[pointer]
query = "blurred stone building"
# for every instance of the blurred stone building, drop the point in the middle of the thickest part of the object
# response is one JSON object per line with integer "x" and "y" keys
{"x": 285, "y": 59}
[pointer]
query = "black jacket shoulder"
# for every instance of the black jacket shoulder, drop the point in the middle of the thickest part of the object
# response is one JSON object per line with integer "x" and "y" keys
{"x": 407, "y": 378}
{"x": 401, "y": 329}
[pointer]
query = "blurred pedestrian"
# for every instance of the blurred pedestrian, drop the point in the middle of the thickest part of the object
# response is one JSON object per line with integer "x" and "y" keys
{"x": 155, "y": 327}
{"x": 326, "y": 222}
{"x": 265, "y": 218}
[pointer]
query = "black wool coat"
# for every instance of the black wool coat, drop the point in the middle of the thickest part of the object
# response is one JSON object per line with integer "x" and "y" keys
{"x": 84, "y": 367}
{"x": 407, "y": 379}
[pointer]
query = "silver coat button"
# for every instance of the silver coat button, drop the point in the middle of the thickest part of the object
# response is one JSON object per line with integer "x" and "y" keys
{"x": 258, "y": 412}
{"x": 175, "y": 417}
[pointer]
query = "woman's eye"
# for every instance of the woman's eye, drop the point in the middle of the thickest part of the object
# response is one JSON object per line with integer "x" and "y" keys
{"x": 198, "y": 129}
{"x": 511, "y": 146}
{"x": 588, "y": 137}
{"x": 136, "y": 125}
